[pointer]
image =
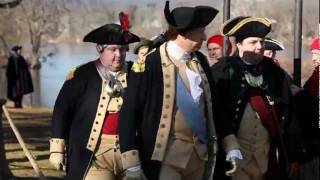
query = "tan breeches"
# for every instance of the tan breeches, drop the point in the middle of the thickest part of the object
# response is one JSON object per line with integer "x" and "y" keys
{"x": 106, "y": 163}
{"x": 193, "y": 171}
{"x": 250, "y": 171}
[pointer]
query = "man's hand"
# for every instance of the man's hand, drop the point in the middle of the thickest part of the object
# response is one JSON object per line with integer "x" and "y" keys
{"x": 234, "y": 157}
{"x": 58, "y": 161}
{"x": 135, "y": 173}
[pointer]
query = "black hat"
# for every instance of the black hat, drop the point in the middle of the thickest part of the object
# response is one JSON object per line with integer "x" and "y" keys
{"x": 274, "y": 45}
{"x": 111, "y": 34}
{"x": 186, "y": 18}
{"x": 143, "y": 42}
{"x": 246, "y": 26}
{"x": 16, "y": 48}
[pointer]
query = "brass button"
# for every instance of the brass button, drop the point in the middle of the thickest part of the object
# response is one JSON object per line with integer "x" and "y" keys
{"x": 123, "y": 81}
{"x": 167, "y": 76}
{"x": 162, "y": 125}
{"x": 94, "y": 130}
{"x": 158, "y": 145}
{"x": 167, "y": 106}
{"x": 101, "y": 105}
{"x": 103, "y": 98}
{"x": 134, "y": 153}
{"x": 99, "y": 114}
{"x": 97, "y": 122}
{"x": 167, "y": 85}
{"x": 92, "y": 139}
{"x": 164, "y": 64}
{"x": 165, "y": 116}
{"x": 167, "y": 96}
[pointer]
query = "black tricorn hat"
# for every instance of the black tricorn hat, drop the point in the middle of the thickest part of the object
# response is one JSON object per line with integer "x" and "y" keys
{"x": 16, "y": 48}
{"x": 186, "y": 18}
{"x": 143, "y": 42}
{"x": 246, "y": 26}
{"x": 272, "y": 44}
{"x": 111, "y": 34}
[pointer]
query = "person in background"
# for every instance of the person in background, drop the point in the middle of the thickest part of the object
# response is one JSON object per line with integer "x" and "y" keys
{"x": 85, "y": 116}
{"x": 215, "y": 48}
{"x": 166, "y": 122}
{"x": 19, "y": 78}
{"x": 142, "y": 48}
{"x": 307, "y": 111}
{"x": 271, "y": 46}
{"x": 255, "y": 107}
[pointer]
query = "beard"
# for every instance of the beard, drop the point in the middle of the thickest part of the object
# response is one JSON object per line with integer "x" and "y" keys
{"x": 252, "y": 57}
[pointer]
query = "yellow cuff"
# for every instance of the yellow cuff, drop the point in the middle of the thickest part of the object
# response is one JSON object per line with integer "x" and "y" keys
{"x": 130, "y": 159}
{"x": 57, "y": 145}
{"x": 230, "y": 142}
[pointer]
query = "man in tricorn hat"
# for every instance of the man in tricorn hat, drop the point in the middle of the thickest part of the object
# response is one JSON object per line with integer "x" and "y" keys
{"x": 271, "y": 46}
{"x": 19, "y": 80}
{"x": 166, "y": 121}
{"x": 85, "y": 116}
{"x": 256, "y": 107}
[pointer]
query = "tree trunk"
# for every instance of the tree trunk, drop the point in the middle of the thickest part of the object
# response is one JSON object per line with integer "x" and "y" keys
{"x": 35, "y": 75}
{"x": 5, "y": 172}
{"x": 35, "y": 96}
{"x": 3, "y": 82}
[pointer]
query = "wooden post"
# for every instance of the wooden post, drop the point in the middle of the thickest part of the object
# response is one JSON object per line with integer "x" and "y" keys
{"x": 5, "y": 172}
{"x": 297, "y": 42}
{"x": 226, "y": 16}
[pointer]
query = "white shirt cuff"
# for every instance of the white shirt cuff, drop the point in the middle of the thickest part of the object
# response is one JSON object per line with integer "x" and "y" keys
{"x": 234, "y": 153}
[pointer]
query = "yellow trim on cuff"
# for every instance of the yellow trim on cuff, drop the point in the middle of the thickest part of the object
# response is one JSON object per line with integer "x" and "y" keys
{"x": 57, "y": 145}
{"x": 130, "y": 159}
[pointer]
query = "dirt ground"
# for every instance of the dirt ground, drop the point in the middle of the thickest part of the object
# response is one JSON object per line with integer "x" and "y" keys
{"x": 34, "y": 127}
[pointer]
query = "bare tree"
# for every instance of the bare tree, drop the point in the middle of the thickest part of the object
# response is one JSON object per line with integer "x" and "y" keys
{"x": 41, "y": 20}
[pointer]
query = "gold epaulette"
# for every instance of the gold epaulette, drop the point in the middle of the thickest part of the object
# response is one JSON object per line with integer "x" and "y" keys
{"x": 71, "y": 73}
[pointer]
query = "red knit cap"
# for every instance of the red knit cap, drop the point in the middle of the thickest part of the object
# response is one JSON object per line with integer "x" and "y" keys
{"x": 218, "y": 39}
{"x": 315, "y": 44}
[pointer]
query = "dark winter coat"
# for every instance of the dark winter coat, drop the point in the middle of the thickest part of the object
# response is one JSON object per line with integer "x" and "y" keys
{"x": 19, "y": 78}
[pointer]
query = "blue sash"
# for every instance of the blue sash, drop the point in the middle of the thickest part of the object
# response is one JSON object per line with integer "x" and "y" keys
{"x": 191, "y": 111}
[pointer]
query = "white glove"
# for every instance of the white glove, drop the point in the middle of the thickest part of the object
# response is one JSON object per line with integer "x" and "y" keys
{"x": 234, "y": 157}
{"x": 58, "y": 161}
{"x": 135, "y": 173}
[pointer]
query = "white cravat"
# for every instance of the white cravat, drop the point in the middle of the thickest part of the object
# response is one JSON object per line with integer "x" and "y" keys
{"x": 176, "y": 52}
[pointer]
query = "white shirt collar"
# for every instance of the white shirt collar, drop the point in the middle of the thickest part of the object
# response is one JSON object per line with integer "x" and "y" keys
{"x": 176, "y": 52}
